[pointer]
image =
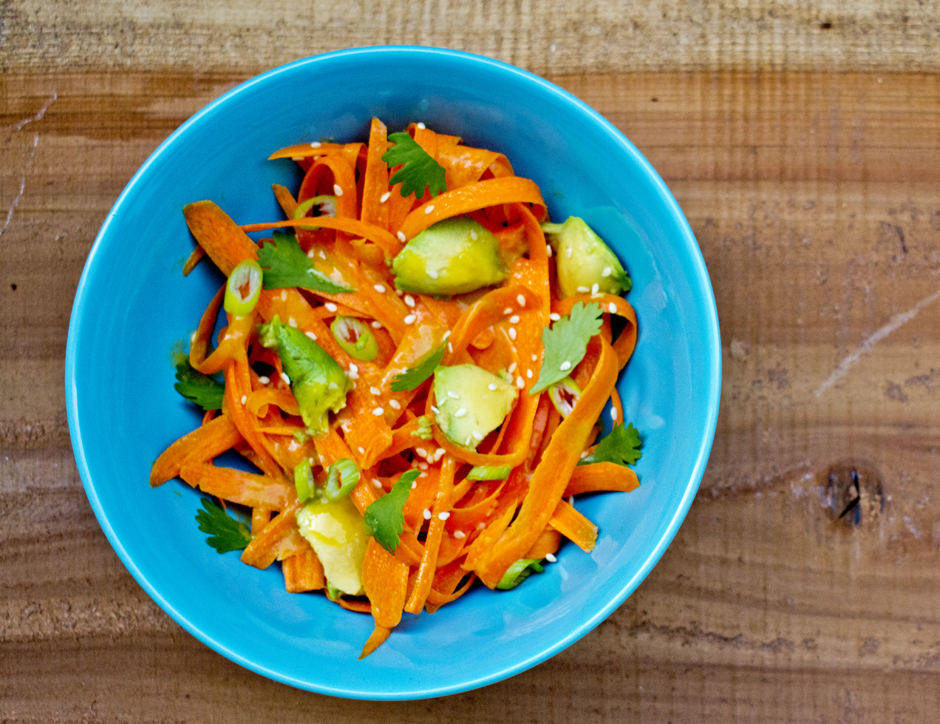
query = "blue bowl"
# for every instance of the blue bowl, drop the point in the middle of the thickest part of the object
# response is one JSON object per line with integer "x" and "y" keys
{"x": 133, "y": 306}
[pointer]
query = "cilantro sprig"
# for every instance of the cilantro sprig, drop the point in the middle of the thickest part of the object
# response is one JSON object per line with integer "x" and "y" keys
{"x": 621, "y": 446}
{"x": 412, "y": 377}
{"x": 225, "y": 533}
{"x": 203, "y": 390}
{"x": 285, "y": 265}
{"x": 418, "y": 172}
{"x": 565, "y": 344}
{"x": 385, "y": 516}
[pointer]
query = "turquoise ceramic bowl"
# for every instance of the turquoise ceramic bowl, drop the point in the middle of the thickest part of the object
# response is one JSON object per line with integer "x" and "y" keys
{"x": 133, "y": 305}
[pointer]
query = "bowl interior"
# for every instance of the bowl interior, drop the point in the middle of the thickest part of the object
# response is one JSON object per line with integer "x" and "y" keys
{"x": 134, "y": 306}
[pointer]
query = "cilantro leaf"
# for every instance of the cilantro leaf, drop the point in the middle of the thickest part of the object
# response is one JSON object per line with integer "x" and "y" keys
{"x": 225, "y": 533}
{"x": 418, "y": 172}
{"x": 285, "y": 265}
{"x": 565, "y": 344}
{"x": 203, "y": 390}
{"x": 621, "y": 446}
{"x": 385, "y": 516}
{"x": 412, "y": 377}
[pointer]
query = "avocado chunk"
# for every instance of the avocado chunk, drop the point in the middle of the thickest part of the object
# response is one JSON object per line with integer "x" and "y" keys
{"x": 316, "y": 379}
{"x": 339, "y": 536}
{"x": 472, "y": 403}
{"x": 453, "y": 256}
{"x": 582, "y": 260}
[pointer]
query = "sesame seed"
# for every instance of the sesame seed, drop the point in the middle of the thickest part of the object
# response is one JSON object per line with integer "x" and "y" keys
{"x": 429, "y": 209}
{"x": 409, "y": 300}
{"x": 548, "y": 251}
{"x": 584, "y": 455}
{"x": 450, "y": 348}
{"x": 512, "y": 333}
{"x": 401, "y": 236}
{"x": 311, "y": 335}
{"x": 385, "y": 197}
{"x": 550, "y": 557}
{"x": 378, "y": 412}
{"x": 283, "y": 295}
{"x": 492, "y": 386}
{"x": 296, "y": 158}
{"x": 294, "y": 445}
{"x": 427, "y": 514}
{"x": 612, "y": 308}
{"x": 528, "y": 373}
{"x": 362, "y": 449}
{"x": 433, "y": 274}
{"x": 459, "y": 534}
{"x": 244, "y": 399}
{"x": 473, "y": 234}
{"x": 477, "y": 435}
{"x": 420, "y": 124}
{"x": 375, "y": 390}
{"x": 514, "y": 319}
{"x": 570, "y": 251}
{"x": 512, "y": 368}
{"x": 421, "y": 451}
{"x": 595, "y": 288}
{"x": 435, "y": 410}
{"x": 607, "y": 271}
{"x": 565, "y": 366}
{"x": 520, "y": 383}
{"x": 394, "y": 404}
{"x": 461, "y": 412}
{"x": 399, "y": 292}
{"x": 409, "y": 319}
{"x": 446, "y": 335}
{"x": 554, "y": 317}
{"x": 376, "y": 325}
{"x": 337, "y": 189}
{"x": 422, "y": 466}
{"x": 353, "y": 372}
{"x": 453, "y": 395}
{"x": 377, "y": 483}
{"x": 443, "y": 516}
{"x": 315, "y": 144}
{"x": 414, "y": 484}
{"x": 285, "y": 378}
{"x": 321, "y": 254}
{"x": 439, "y": 453}
{"x": 380, "y": 288}
{"x": 613, "y": 414}
{"x": 535, "y": 358}
{"x": 330, "y": 307}
{"x": 507, "y": 310}
{"x": 264, "y": 380}
{"x": 521, "y": 300}
{"x": 311, "y": 253}
{"x": 583, "y": 290}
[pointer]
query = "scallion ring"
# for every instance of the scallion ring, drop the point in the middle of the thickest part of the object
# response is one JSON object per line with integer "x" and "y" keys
{"x": 320, "y": 205}
{"x": 564, "y": 395}
{"x": 243, "y": 288}
{"x": 355, "y": 338}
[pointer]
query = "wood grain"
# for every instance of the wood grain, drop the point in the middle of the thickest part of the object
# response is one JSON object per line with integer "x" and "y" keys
{"x": 815, "y": 197}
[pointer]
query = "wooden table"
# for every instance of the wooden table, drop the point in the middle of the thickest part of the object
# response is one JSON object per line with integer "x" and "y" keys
{"x": 803, "y": 143}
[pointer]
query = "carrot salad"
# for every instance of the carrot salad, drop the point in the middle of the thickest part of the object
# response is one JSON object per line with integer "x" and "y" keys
{"x": 414, "y": 361}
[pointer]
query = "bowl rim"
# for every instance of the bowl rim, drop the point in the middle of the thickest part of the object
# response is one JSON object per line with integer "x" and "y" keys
{"x": 700, "y": 279}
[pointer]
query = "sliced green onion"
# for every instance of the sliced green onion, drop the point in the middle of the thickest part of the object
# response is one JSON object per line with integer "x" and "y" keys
{"x": 548, "y": 227}
{"x": 355, "y": 337}
{"x": 564, "y": 395}
{"x": 486, "y": 472}
{"x": 518, "y": 572}
{"x": 303, "y": 480}
{"x": 320, "y": 205}
{"x": 238, "y": 300}
{"x": 341, "y": 478}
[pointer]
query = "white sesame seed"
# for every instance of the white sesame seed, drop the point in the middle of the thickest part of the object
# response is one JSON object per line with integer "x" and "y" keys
{"x": 612, "y": 308}
{"x": 294, "y": 445}
{"x": 565, "y": 366}
{"x": 264, "y": 380}
{"x": 467, "y": 441}
{"x": 414, "y": 484}
{"x": 283, "y": 295}
{"x": 420, "y": 124}
{"x": 399, "y": 292}
{"x": 446, "y": 335}
{"x": 477, "y": 435}
{"x": 376, "y": 325}
{"x": 607, "y": 271}
{"x": 453, "y": 395}
{"x": 337, "y": 189}
{"x": 422, "y": 466}
{"x": 535, "y": 358}
{"x": 311, "y": 335}
{"x": 353, "y": 372}
{"x": 321, "y": 254}
{"x": 378, "y": 412}
{"x": 429, "y": 209}
{"x": 409, "y": 300}
{"x": 613, "y": 414}
{"x": 435, "y": 410}
{"x": 492, "y": 386}
{"x": 512, "y": 368}
{"x": 583, "y": 290}
{"x": 528, "y": 373}
{"x": 330, "y": 307}
{"x": 380, "y": 288}
{"x": 570, "y": 252}
{"x": 421, "y": 451}
{"x": 292, "y": 322}
{"x": 520, "y": 383}
{"x": 401, "y": 235}
{"x": 311, "y": 253}
{"x": 450, "y": 348}
{"x": 385, "y": 197}
{"x": 394, "y": 404}
{"x": 443, "y": 516}
{"x": 375, "y": 390}
{"x": 473, "y": 234}
{"x": 433, "y": 274}
{"x": 512, "y": 333}
{"x": 514, "y": 319}
{"x": 459, "y": 534}
{"x": 461, "y": 412}
{"x": 285, "y": 378}
{"x": 550, "y": 557}
{"x": 595, "y": 288}
{"x": 548, "y": 250}
{"x": 244, "y": 399}
{"x": 362, "y": 449}
{"x": 296, "y": 158}
{"x": 315, "y": 144}
{"x": 521, "y": 300}
{"x": 554, "y": 317}
{"x": 377, "y": 483}
{"x": 584, "y": 455}
{"x": 427, "y": 514}
{"x": 439, "y": 453}
{"x": 409, "y": 319}
{"x": 507, "y": 310}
